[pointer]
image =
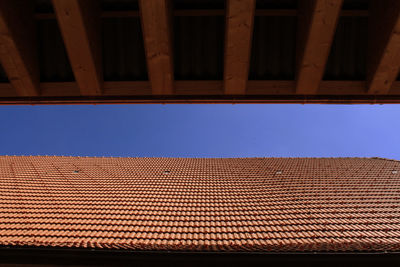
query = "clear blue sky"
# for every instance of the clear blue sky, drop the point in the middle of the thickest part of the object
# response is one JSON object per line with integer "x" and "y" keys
{"x": 202, "y": 130}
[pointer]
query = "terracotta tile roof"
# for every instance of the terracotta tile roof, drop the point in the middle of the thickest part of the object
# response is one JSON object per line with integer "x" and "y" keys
{"x": 250, "y": 204}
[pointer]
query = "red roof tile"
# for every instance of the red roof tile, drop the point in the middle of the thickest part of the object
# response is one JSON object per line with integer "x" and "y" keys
{"x": 254, "y": 204}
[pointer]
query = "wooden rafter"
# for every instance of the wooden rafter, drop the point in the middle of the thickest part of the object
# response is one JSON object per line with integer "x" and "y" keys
{"x": 80, "y": 25}
{"x": 317, "y": 25}
{"x": 156, "y": 18}
{"x": 384, "y": 46}
{"x": 18, "y": 53}
{"x": 79, "y": 21}
{"x": 238, "y": 37}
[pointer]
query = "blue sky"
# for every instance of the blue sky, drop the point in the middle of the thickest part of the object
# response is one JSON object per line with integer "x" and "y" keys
{"x": 202, "y": 130}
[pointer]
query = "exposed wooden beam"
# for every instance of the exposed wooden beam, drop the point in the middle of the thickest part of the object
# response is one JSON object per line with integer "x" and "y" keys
{"x": 156, "y": 18}
{"x": 18, "y": 53}
{"x": 316, "y": 29}
{"x": 210, "y": 12}
{"x": 216, "y": 99}
{"x": 383, "y": 45}
{"x": 206, "y": 88}
{"x": 238, "y": 36}
{"x": 79, "y": 21}
{"x": 258, "y": 91}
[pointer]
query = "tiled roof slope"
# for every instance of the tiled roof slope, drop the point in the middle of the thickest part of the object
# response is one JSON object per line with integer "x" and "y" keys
{"x": 250, "y": 204}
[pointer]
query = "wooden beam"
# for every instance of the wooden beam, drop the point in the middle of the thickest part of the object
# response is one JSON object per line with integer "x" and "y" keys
{"x": 383, "y": 45}
{"x": 258, "y": 91}
{"x": 316, "y": 28}
{"x": 205, "y": 88}
{"x": 79, "y": 21}
{"x": 18, "y": 53}
{"x": 210, "y": 12}
{"x": 156, "y": 18}
{"x": 238, "y": 36}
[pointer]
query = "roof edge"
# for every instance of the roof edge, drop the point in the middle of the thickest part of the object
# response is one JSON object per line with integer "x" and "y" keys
{"x": 117, "y": 157}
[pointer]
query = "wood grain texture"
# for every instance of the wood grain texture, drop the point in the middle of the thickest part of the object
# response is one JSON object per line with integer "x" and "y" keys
{"x": 79, "y": 21}
{"x": 238, "y": 36}
{"x": 384, "y": 48}
{"x": 18, "y": 52}
{"x": 156, "y": 18}
{"x": 316, "y": 28}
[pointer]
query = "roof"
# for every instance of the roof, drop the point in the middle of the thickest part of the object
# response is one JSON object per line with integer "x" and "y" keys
{"x": 200, "y": 204}
{"x": 199, "y": 51}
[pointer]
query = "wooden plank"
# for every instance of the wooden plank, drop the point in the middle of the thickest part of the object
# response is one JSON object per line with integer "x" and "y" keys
{"x": 204, "y": 88}
{"x": 18, "y": 53}
{"x": 342, "y": 88}
{"x": 383, "y": 45}
{"x": 225, "y": 99}
{"x": 156, "y": 18}
{"x": 395, "y": 90}
{"x": 60, "y": 89}
{"x": 142, "y": 88}
{"x": 7, "y": 90}
{"x": 317, "y": 25}
{"x": 210, "y": 12}
{"x": 79, "y": 21}
{"x": 238, "y": 36}
{"x": 210, "y": 87}
{"x": 258, "y": 91}
{"x": 270, "y": 87}
{"x": 124, "y": 92}
{"x": 334, "y": 88}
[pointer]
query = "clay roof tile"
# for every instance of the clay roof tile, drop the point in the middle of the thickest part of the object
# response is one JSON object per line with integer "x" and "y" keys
{"x": 218, "y": 204}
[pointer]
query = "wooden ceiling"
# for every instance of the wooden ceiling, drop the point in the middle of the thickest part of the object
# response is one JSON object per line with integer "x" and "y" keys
{"x": 307, "y": 51}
